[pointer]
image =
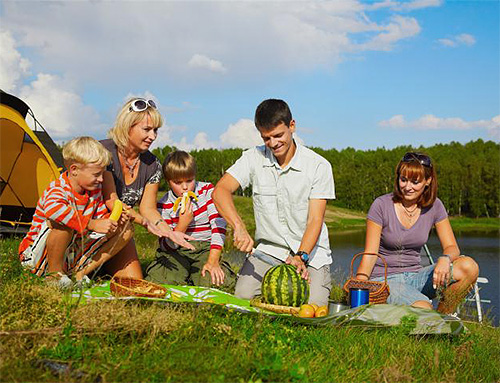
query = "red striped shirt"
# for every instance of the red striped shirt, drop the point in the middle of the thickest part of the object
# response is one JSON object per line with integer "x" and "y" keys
{"x": 60, "y": 203}
{"x": 207, "y": 224}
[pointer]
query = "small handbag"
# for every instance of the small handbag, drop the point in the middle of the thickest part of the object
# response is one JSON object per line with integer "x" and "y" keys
{"x": 379, "y": 291}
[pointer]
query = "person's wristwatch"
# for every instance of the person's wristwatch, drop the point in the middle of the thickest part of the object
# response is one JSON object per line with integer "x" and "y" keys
{"x": 303, "y": 255}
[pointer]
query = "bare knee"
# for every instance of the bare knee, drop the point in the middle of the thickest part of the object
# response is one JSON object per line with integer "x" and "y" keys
{"x": 465, "y": 268}
{"x": 59, "y": 234}
{"x": 422, "y": 305}
{"x": 128, "y": 233}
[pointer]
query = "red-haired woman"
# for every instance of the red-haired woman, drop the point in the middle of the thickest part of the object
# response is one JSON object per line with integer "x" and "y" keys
{"x": 398, "y": 225}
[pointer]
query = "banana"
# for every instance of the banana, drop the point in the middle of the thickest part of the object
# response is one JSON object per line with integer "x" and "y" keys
{"x": 182, "y": 201}
{"x": 117, "y": 210}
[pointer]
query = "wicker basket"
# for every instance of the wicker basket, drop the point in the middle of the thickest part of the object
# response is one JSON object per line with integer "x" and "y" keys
{"x": 131, "y": 287}
{"x": 257, "y": 302}
{"x": 379, "y": 291}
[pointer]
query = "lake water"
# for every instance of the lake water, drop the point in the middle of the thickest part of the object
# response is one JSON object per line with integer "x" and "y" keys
{"x": 483, "y": 247}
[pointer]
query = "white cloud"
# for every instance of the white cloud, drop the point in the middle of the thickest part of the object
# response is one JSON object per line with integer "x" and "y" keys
{"x": 53, "y": 99}
{"x": 204, "y": 62}
{"x": 249, "y": 38}
{"x": 418, "y": 4}
{"x": 399, "y": 28}
{"x": 431, "y": 122}
{"x": 60, "y": 110}
{"x": 466, "y": 39}
{"x": 163, "y": 139}
{"x": 242, "y": 134}
{"x": 455, "y": 41}
{"x": 13, "y": 67}
{"x": 447, "y": 42}
{"x": 404, "y": 6}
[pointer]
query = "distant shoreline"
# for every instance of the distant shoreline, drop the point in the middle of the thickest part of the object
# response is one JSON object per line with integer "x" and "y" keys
{"x": 342, "y": 219}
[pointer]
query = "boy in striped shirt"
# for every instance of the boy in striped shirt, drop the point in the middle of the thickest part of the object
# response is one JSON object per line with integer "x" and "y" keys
{"x": 200, "y": 219}
{"x": 71, "y": 234}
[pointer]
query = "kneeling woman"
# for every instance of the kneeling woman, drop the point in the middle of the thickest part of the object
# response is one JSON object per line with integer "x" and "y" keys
{"x": 398, "y": 225}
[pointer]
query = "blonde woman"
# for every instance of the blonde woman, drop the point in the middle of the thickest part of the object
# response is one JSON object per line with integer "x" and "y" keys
{"x": 134, "y": 173}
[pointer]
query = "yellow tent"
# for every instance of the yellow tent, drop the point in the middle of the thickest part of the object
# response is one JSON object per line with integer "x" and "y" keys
{"x": 29, "y": 161}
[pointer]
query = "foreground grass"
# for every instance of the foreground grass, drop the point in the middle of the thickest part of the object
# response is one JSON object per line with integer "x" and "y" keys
{"x": 140, "y": 341}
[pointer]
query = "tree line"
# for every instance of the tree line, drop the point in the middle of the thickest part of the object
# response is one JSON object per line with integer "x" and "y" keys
{"x": 468, "y": 174}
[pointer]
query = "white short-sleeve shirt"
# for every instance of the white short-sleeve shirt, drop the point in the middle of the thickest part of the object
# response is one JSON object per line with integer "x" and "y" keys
{"x": 281, "y": 199}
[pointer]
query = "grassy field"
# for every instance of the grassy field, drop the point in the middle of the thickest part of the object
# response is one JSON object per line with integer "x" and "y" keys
{"x": 44, "y": 337}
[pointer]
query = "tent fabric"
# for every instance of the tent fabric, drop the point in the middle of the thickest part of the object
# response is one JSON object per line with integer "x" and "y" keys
{"x": 26, "y": 166}
{"x": 371, "y": 316}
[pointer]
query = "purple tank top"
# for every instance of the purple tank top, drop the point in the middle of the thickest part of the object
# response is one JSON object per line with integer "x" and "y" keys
{"x": 400, "y": 246}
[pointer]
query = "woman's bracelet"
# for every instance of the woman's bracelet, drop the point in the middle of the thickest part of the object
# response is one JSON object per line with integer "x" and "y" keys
{"x": 447, "y": 256}
{"x": 159, "y": 221}
{"x": 363, "y": 274}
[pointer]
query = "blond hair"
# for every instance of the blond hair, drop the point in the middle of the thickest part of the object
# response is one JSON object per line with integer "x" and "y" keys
{"x": 127, "y": 118}
{"x": 85, "y": 150}
{"x": 178, "y": 165}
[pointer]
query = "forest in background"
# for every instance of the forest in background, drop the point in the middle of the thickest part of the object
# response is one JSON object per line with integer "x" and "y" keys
{"x": 468, "y": 174}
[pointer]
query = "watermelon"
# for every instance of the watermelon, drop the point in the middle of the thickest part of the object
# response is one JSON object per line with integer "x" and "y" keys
{"x": 284, "y": 287}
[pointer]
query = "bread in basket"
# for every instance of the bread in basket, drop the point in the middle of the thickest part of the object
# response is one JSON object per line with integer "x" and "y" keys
{"x": 132, "y": 287}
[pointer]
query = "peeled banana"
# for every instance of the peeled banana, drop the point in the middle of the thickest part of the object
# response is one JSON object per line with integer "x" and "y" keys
{"x": 117, "y": 210}
{"x": 181, "y": 202}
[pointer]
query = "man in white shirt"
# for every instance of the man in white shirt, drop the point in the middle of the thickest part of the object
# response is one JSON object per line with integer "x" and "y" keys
{"x": 290, "y": 187}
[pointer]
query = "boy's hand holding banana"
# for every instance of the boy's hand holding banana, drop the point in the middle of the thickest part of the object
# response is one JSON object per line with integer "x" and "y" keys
{"x": 182, "y": 201}
{"x": 120, "y": 212}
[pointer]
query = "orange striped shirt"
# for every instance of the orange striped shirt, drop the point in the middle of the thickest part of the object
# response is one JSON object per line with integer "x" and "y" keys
{"x": 60, "y": 203}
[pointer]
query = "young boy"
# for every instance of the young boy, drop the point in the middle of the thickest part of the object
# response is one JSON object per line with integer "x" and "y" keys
{"x": 58, "y": 244}
{"x": 198, "y": 218}
{"x": 291, "y": 185}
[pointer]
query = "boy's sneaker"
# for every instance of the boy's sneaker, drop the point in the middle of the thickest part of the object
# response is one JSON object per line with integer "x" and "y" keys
{"x": 61, "y": 281}
{"x": 83, "y": 283}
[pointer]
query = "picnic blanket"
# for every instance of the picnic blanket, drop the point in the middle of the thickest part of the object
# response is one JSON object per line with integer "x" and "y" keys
{"x": 421, "y": 321}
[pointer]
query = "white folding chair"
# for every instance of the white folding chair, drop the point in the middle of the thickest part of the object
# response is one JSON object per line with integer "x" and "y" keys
{"x": 476, "y": 297}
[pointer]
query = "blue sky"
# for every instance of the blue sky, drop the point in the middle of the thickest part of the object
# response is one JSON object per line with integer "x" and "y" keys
{"x": 358, "y": 74}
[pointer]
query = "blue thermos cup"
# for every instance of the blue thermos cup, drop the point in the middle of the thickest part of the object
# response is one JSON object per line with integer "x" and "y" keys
{"x": 359, "y": 297}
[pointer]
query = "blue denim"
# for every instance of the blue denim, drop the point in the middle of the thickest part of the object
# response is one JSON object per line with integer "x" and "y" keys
{"x": 408, "y": 287}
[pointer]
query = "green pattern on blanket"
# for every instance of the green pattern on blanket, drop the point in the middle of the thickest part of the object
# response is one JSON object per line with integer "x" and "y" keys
{"x": 426, "y": 321}
{"x": 187, "y": 294}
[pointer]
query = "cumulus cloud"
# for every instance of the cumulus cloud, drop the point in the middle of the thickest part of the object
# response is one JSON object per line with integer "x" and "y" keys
{"x": 59, "y": 109}
{"x": 204, "y": 62}
{"x": 399, "y": 28}
{"x": 53, "y": 99}
{"x": 220, "y": 36}
{"x": 404, "y": 6}
{"x": 13, "y": 67}
{"x": 242, "y": 134}
{"x": 431, "y": 122}
{"x": 458, "y": 40}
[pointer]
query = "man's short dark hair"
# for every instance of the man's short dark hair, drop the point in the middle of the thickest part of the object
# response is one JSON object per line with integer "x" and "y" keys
{"x": 270, "y": 113}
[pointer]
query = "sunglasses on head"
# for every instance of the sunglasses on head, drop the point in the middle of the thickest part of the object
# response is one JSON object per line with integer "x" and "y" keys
{"x": 141, "y": 104}
{"x": 422, "y": 159}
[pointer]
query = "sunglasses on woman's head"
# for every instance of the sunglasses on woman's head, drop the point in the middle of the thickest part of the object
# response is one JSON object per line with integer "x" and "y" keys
{"x": 419, "y": 157}
{"x": 141, "y": 104}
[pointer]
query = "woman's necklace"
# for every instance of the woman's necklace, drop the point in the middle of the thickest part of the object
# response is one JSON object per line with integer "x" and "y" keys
{"x": 132, "y": 167}
{"x": 410, "y": 213}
